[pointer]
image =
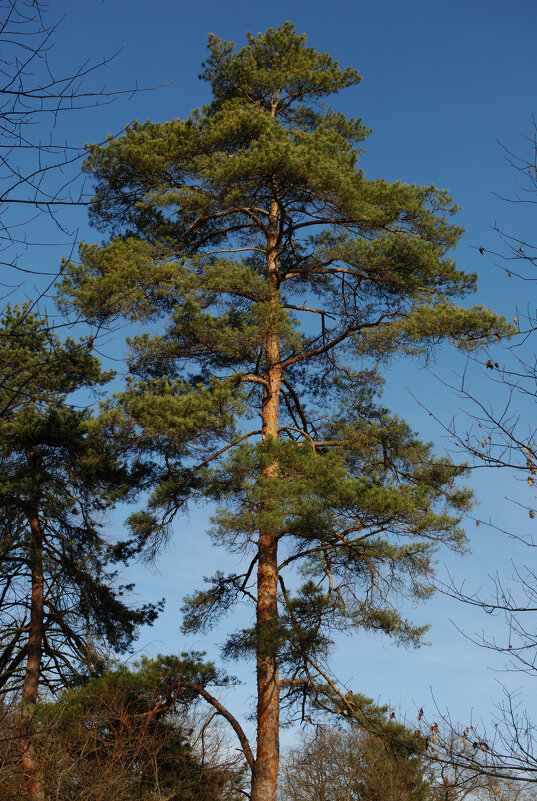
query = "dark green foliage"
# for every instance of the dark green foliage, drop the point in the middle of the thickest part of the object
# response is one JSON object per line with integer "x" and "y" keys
{"x": 54, "y": 464}
{"x": 250, "y": 225}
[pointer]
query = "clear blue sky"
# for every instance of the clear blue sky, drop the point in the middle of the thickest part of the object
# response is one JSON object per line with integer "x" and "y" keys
{"x": 442, "y": 83}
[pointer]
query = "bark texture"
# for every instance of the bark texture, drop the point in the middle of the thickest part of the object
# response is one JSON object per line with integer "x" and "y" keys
{"x": 30, "y": 762}
{"x": 265, "y": 773}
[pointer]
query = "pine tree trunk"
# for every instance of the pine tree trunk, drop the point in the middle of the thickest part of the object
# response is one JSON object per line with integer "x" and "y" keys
{"x": 265, "y": 773}
{"x": 30, "y": 763}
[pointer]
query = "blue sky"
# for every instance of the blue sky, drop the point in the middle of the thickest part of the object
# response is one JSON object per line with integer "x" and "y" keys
{"x": 442, "y": 84}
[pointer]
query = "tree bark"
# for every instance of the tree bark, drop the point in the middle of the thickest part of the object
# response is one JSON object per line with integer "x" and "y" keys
{"x": 265, "y": 772}
{"x": 30, "y": 763}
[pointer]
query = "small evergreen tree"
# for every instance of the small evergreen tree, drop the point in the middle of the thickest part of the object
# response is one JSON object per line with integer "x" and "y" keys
{"x": 126, "y": 736}
{"x": 281, "y": 277}
{"x": 58, "y": 600}
{"x": 130, "y": 734}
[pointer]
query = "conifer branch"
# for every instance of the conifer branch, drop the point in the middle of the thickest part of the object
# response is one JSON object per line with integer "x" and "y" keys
{"x": 218, "y": 453}
{"x": 332, "y": 344}
{"x": 296, "y": 400}
{"x": 309, "y": 309}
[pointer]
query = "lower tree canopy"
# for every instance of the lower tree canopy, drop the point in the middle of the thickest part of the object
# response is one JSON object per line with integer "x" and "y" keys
{"x": 128, "y": 735}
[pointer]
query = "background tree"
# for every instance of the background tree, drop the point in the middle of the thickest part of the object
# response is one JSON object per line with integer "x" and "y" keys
{"x": 501, "y": 435}
{"x": 279, "y": 276}
{"x": 456, "y": 783}
{"x": 39, "y": 162}
{"x": 353, "y": 765}
{"x": 35, "y": 163}
{"x": 59, "y": 600}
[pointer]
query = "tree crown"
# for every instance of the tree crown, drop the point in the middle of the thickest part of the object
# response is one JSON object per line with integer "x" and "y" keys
{"x": 281, "y": 275}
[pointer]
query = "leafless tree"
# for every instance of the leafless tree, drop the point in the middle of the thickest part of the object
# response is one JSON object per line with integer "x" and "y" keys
{"x": 42, "y": 183}
{"x": 39, "y": 170}
{"x": 496, "y": 429}
{"x": 353, "y": 765}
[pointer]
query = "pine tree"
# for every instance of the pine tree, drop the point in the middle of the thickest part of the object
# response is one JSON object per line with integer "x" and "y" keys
{"x": 59, "y": 599}
{"x": 280, "y": 277}
{"x": 127, "y": 736}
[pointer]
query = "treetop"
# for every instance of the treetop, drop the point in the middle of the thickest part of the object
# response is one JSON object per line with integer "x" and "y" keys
{"x": 274, "y": 70}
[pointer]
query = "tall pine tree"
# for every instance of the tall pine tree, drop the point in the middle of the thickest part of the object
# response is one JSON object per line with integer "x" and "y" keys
{"x": 279, "y": 277}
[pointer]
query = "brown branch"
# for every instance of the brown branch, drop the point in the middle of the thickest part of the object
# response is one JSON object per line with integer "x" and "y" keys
{"x": 308, "y": 309}
{"x": 221, "y": 710}
{"x": 218, "y": 453}
{"x": 296, "y": 401}
{"x": 347, "y": 333}
{"x": 255, "y": 379}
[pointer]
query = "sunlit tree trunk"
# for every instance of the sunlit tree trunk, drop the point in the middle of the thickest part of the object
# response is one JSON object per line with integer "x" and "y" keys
{"x": 265, "y": 774}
